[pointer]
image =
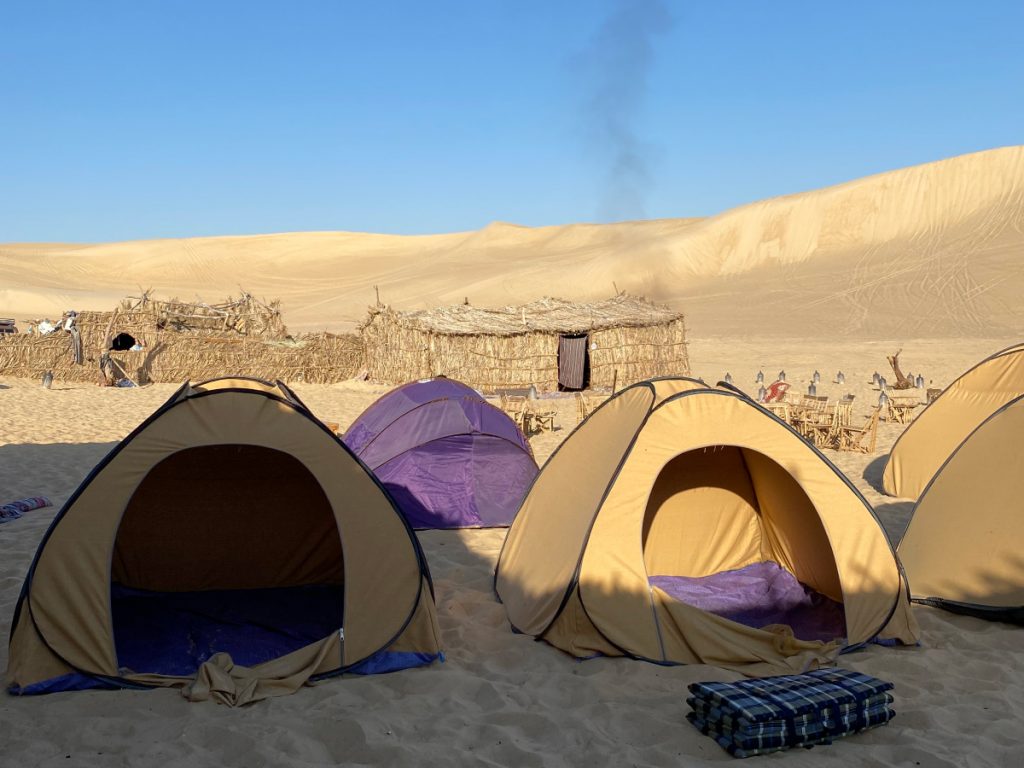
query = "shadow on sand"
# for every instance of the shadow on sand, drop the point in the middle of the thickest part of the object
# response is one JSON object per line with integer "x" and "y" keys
{"x": 51, "y": 469}
{"x": 873, "y": 472}
{"x": 895, "y": 518}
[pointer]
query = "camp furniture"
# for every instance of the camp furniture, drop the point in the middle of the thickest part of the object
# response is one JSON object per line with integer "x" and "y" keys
{"x": 861, "y": 438}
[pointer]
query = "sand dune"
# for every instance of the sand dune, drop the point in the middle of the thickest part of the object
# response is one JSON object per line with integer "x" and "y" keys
{"x": 933, "y": 250}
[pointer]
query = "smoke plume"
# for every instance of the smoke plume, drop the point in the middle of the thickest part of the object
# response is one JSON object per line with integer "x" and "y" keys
{"x": 617, "y": 64}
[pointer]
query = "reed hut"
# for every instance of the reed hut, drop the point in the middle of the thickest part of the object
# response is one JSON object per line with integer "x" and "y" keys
{"x": 150, "y": 340}
{"x": 552, "y": 344}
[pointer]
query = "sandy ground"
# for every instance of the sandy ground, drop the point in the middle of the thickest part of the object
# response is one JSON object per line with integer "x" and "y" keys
{"x": 500, "y": 698}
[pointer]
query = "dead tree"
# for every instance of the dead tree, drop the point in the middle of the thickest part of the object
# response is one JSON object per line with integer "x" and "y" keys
{"x": 902, "y": 382}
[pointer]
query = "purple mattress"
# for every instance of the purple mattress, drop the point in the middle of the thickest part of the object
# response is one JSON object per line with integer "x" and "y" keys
{"x": 758, "y": 595}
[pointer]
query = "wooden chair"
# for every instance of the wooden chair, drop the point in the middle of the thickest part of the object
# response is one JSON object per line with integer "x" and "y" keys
{"x": 901, "y": 408}
{"x": 798, "y": 405}
{"x": 817, "y": 421}
{"x": 587, "y": 404}
{"x": 846, "y": 410}
{"x": 817, "y": 404}
{"x": 847, "y": 402}
{"x": 861, "y": 439}
{"x": 823, "y": 426}
{"x": 842, "y": 417}
{"x": 793, "y": 398}
{"x": 779, "y": 409}
{"x": 802, "y": 405}
{"x": 798, "y": 413}
{"x": 516, "y": 406}
{"x": 594, "y": 401}
{"x": 582, "y": 407}
{"x": 543, "y": 421}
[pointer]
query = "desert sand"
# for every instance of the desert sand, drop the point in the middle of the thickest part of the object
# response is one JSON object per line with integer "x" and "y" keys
{"x": 499, "y": 698}
{"x": 927, "y": 259}
{"x": 928, "y": 251}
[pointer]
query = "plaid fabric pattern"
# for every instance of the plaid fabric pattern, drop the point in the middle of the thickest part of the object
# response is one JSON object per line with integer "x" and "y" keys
{"x": 753, "y": 717}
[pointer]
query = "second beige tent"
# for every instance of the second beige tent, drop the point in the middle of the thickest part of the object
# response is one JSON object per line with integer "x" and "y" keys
{"x": 933, "y": 436}
{"x": 964, "y": 547}
{"x": 685, "y": 524}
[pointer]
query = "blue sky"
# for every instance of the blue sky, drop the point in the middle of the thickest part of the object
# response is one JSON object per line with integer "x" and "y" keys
{"x": 124, "y": 120}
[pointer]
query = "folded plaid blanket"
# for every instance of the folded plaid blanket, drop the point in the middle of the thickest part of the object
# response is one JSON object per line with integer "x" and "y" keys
{"x": 13, "y": 510}
{"x": 756, "y": 716}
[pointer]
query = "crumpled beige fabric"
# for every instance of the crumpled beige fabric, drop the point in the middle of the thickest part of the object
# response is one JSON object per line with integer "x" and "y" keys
{"x": 223, "y": 681}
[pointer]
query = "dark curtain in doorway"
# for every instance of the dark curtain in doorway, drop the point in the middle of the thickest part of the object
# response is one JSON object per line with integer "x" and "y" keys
{"x": 574, "y": 362}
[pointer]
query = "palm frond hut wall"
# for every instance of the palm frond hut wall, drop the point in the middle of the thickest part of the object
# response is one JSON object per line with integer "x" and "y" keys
{"x": 627, "y": 339}
{"x": 182, "y": 341}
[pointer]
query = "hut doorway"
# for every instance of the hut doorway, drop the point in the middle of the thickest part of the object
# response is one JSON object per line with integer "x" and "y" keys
{"x": 122, "y": 342}
{"x": 573, "y": 361}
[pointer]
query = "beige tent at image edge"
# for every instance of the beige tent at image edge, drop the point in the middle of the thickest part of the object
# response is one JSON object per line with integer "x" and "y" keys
{"x": 930, "y": 439}
{"x": 675, "y": 500}
{"x": 231, "y": 546}
{"x": 964, "y": 547}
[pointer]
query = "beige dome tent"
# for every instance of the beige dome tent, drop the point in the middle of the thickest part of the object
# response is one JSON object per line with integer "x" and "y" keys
{"x": 231, "y": 545}
{"x": 964, "y": 547}
{"x": 685, "y": 524}
{"x": 930, "y": 439}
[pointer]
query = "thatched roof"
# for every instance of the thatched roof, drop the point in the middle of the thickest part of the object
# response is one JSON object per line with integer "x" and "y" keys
{"x": 245, "y": 316}
{"x": 544, "y": 316}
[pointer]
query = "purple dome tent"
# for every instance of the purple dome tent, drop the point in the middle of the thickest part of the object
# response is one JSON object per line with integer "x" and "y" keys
{"x": 448, "y": 457}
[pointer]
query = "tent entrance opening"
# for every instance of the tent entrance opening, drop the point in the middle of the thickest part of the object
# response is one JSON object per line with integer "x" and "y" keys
{"x": 729, "y": 531}
{"x": 224, "y": 548}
